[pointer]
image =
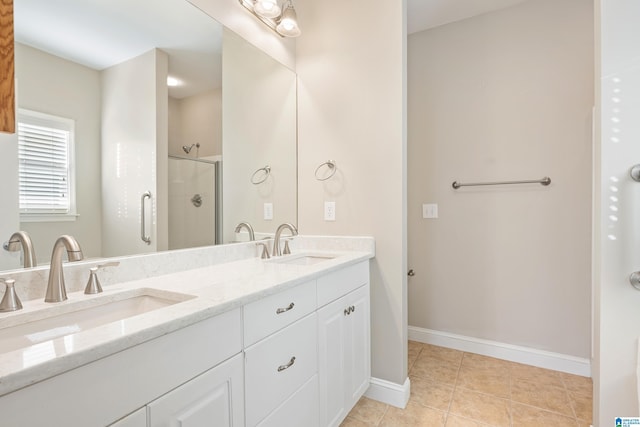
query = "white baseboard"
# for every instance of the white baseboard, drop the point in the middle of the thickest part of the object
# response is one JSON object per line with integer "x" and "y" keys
{"x": 529, "y": 356}
{"x": 390, "y": 393}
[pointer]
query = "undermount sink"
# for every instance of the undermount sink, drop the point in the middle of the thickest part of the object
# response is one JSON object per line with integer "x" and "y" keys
{"x": 26, "y": 329}
{"x": 304, "y": 259}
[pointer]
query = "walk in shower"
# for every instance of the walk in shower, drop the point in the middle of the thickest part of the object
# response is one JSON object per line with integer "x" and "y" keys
{"x": 195, "y": 202}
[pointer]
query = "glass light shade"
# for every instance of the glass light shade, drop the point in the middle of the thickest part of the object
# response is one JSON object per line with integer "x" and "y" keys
{"x": 267, "y": 8}
{"x": 288, "y": 25}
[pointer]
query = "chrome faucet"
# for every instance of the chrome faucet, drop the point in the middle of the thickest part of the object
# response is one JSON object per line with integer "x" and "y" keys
{"x": 249, "y": 228}
{"x": 56, "y": 290}
{"x": 276, "y": 240}
{"x": 21, "y": 240}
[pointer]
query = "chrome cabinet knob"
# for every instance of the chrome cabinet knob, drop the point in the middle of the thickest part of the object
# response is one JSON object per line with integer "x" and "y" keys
{"x": 634, "y": 279}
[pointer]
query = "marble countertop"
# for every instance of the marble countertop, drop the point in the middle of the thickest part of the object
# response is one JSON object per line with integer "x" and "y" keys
{"x": 211, "y": 290}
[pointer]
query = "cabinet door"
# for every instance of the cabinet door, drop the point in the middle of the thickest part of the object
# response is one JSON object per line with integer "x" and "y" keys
{"x": 344, "y": 360}
{"x": 358, "y": 345}
{"x": 301, "y": 409}
{"x": 136, "y": 419}
{"x": 332, "y": 332}
{"x": 215, "y": 398}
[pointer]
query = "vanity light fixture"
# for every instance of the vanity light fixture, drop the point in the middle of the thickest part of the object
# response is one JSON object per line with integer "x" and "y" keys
{"x": 267, "y": 8}
{"x": 172, "y": 81}
{"x": 281, "y": 19}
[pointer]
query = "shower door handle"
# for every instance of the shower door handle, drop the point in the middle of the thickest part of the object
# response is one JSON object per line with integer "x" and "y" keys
{"x": 634, "y": 278}
{"x": 143, "y": 224}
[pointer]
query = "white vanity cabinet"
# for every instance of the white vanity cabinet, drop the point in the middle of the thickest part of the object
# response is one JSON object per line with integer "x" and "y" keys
{"x": 344, "y": 345}
{"x": 280, "y": 354}
{"x": 212, "y": 398}
{"x": 299, "y": 357}
{"x": 137, "y": 419}
{"x": 104, "y": 391}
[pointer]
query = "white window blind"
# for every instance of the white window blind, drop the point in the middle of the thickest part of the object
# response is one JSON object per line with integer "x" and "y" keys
{"x": 45, "y": 153}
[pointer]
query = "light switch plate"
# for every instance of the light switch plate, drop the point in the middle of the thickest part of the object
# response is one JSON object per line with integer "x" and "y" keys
{"x": 268, "y": 211}
{"x": 430, "y": 211}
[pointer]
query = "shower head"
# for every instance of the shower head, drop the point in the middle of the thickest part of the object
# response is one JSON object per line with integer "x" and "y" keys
{"x": 187, "y": 148}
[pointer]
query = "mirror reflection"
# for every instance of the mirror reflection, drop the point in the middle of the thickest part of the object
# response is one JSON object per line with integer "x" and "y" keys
{"x": 142, "y": 85}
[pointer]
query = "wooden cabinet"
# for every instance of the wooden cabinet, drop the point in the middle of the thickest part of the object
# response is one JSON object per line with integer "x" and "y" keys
{"x": 7, "y": 69}
{"x": 213, "y": 398}
{"x": 344, "y": 360}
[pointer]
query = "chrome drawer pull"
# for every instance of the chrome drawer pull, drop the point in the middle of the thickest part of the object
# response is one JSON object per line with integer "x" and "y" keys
{"x": 288, "y": 365}
{"x": 284, "y": 310}
{"x": 347, "y": 311}
{"x": 353, "y": 308}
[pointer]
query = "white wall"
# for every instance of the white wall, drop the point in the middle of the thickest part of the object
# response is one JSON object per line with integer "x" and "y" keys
{"x": 617, "y": 233}
{"x": 351, "y": 79}
{"x": 9, "y": 219}
{"x": 503, "y": 96}
{"x": 134, "y": 153}
{"x": 52, "y": 85}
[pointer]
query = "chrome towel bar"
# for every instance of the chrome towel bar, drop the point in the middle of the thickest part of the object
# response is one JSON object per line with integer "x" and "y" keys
{"x": 544, "y": 181}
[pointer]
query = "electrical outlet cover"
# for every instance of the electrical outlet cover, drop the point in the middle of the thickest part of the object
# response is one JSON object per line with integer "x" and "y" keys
{"x": 329, "y": 211}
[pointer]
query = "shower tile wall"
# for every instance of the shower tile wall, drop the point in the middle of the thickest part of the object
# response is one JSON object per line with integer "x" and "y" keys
{"x": 189, "y": 225}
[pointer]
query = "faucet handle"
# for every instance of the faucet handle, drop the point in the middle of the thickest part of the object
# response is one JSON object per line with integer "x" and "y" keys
{"x": 265, "y": 250}
{"x": 93, "y": 284}
{"x": 286, "y": 250}
{"x": 10, "y": 301}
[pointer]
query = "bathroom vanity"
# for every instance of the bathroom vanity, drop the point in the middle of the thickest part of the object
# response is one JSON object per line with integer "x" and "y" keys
{"x": 280, "y": 342}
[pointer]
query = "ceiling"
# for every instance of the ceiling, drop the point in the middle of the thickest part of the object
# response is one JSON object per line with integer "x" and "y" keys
{"x": 425, "y": 14}
{"x": 99, "y": 34}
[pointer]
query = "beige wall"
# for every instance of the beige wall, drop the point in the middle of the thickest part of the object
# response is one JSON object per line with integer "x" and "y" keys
{"x": 504, "y": 96}
{"x": 239, "y": 20}
{"x": 351, "y": 69}
{"x": 259, "y": 129}
{"x": 196, "y": 119}
{"x": 52, "y": 85}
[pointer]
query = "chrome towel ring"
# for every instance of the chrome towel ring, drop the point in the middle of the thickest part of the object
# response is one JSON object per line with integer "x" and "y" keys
{"x": 256, "y": 178}
{"x": 331, "y": 164}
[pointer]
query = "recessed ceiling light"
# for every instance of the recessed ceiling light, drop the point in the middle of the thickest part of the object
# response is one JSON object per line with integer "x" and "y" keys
{"x": 172, "y": 81}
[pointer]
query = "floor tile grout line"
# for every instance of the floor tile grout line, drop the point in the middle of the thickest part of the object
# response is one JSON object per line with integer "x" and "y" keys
{"x": 453, "y": 392}
{"x": 457, "y": 386}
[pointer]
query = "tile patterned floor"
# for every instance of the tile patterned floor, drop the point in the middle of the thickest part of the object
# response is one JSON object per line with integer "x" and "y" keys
{"x": 456, "y": 389}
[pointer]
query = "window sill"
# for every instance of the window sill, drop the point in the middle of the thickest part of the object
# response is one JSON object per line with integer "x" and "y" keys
{"x": 48, "y": 217}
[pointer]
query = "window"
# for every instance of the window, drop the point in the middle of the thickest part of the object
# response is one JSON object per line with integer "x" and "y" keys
{"x": 46, "y": 169}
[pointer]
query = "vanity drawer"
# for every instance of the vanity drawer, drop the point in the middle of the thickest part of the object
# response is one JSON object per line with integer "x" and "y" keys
{"x": 301, "y": 409}
{"x": 271, "y": 372}
{"x": 264, "y": 317}
{"x": 341, "y": 282}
